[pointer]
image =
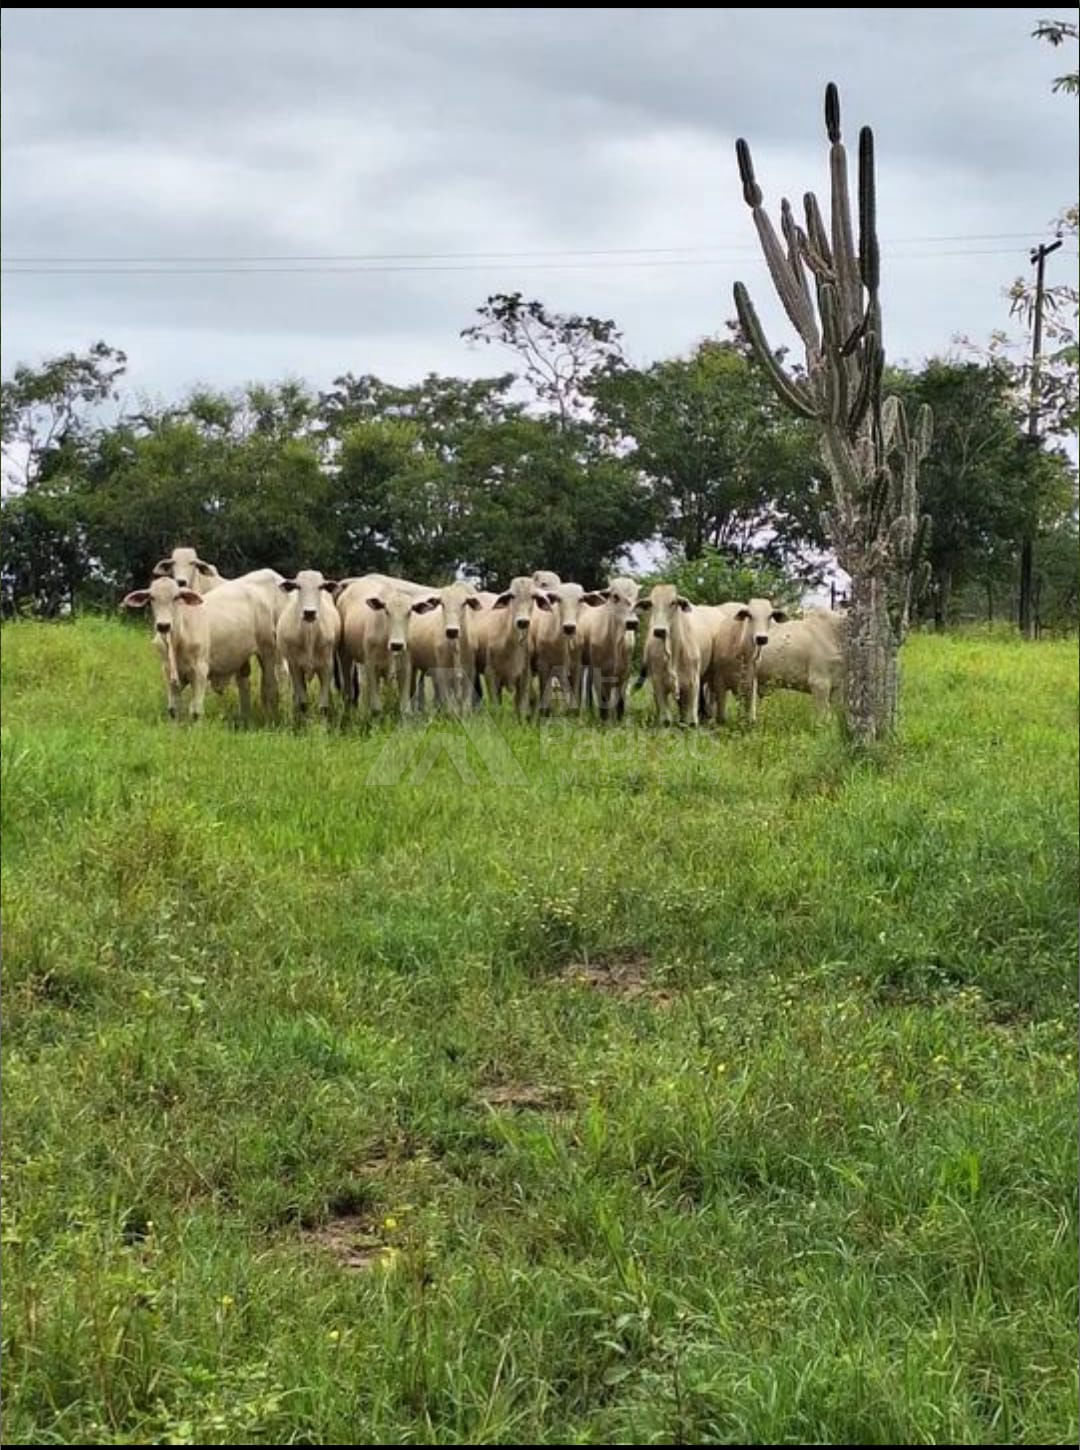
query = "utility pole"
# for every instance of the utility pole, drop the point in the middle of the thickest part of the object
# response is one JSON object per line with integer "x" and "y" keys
{"x": 1039, "y": 255}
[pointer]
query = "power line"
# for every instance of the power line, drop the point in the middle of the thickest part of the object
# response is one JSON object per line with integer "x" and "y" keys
{"x": 737, "y": 246}
{"x": 306, "y": 271}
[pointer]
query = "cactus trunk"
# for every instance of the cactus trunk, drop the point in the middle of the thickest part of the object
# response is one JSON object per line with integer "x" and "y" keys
{"x": 871, "y": 455}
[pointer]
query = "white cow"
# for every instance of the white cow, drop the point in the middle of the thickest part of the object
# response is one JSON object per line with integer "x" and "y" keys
{"x": 211, "y": 639}
{"x": 308, "y": 633}
{"x": 374, "y": 637}
{"x": 555, "y": 646}
{"x": 501, "y": 638}
{"x": 440, "y": 644}
{"x": 189, "y": 571}
{"x": 806, "y": 654}
{"x": 544, "y": 579}
{"x": 678, "y": 639}
{"x": 608, "y": 629}
{"x": 737, "y": 635}
{"x": 627, "y": 586}
{"x": 385, "y": 582}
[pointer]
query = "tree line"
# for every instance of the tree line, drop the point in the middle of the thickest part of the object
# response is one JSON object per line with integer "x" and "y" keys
{"x": 564, "y": 461}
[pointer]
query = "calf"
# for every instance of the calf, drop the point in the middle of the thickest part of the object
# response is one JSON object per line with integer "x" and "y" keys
{"x": 308, "y": 633}
{"x": 440, "y": 644}
{"x": 502, "y": 639}
{"x": 211, "y": 640}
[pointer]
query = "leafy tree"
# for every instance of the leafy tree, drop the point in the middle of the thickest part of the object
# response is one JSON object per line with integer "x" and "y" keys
{"x": 982, "y": 483}
{"x": 729, "y": 469}
{"x": 712, "y": 577}
{"x": 563, "y": 352}
{"x": 47, "y": 413}
{"x": 543, "y": 494}
{"x": 1060, "y": 370}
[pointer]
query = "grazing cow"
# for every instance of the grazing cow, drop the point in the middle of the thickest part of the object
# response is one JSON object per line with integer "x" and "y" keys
{"x": 211, "y": 639}
{"x": 441, "y": 645}
{"x": 608, "y": 629}
{"x": 678, "y": 638}
{"x": 307, "y": 635}
{"x": 374, "y": 636}
{"x": 806, "y": 654}
{"x": 737, "y": 635}
{"x": 555, "y": 646}
{"x": 501, "y": 639}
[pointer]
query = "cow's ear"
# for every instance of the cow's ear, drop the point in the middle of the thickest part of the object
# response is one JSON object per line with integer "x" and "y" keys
{"x": 137, "y": 599}
{"x": 330, "y": 585}
{"x": 473, "y": 603}
{"x": 162, "y": 567}
{"x": 190, "y": 596}
{"x": 742, "y": 613}
{"x": 204, "y": 568}
{"x": 288, "y": 585}
{"x": 779, "y": 617}
{"x": 552, "y": 597}
{"x": 425, "y": 606}
{"x": 542, "y": 600}
{"x": 643, "y": 605}
{"x": 683, "y": 603}
{"x": 594, "y": 597}
{"x": 503, "y": 601}
{"x": 375, "y": 602}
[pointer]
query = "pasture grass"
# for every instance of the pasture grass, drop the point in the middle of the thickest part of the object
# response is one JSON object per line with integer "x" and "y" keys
{"x": 641, "y": 1087}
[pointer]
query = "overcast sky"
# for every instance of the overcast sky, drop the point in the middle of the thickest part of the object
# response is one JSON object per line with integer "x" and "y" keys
{"x": 426, "y": 137}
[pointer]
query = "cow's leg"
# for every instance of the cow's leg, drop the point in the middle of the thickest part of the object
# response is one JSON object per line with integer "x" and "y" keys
{"x": 371, "y": 690}
{"x": 494, "y": 687}
{"x": 243, "y": 686}
{"x": 688, "y": 704}
{"x": 269, "y": 662}
{"x": 521, "y": 694}
{"x": 325, "y": 676}
{"x": 174, "y": 691}
{"x": 821, "y": 692}
{"x": 198, "y": 691}
{"x": 298, "y": 680}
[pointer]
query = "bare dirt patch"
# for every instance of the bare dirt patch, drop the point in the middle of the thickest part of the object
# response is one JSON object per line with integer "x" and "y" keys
{"x": 522, "y": 1095}
{"x": 627, "y": 979}
{"x": 353, "y": 1240}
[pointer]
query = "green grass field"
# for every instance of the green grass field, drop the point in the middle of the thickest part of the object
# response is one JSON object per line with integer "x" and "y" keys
{"x": 647, "y": 1086}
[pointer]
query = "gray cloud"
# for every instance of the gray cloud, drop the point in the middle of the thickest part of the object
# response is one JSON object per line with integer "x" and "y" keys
{"x": 211, "y": 133}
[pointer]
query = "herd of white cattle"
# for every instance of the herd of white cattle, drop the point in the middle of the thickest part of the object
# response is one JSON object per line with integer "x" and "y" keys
{"x": 379, "y": 638}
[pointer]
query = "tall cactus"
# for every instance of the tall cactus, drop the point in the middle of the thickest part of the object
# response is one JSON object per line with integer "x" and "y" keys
{"x": 871, "y": 454}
